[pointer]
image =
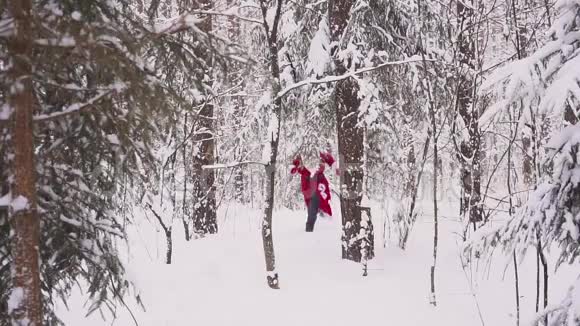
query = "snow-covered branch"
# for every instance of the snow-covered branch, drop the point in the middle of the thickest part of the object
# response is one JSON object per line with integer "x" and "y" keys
{"x": 563, "y": 313}
{"x": 229, "y": 13}
{"x": 331, "y": 79}
{"x": 65, "y": 42}
{"x": 190, "y": 19}
{"x": 176, "y": 24}
{"x": 231, "y": 165}
{"x": 77, "y": 107}
{"x": 6, "y": 27}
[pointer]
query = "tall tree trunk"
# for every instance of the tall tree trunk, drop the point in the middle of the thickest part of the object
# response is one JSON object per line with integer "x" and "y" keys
{"x": 350, "y": 137}
{"x": 239, "y": 153}
{"x": 167, "y": 230}
{"x": 414, "y": 191}
{"x": 186, "y": 217}
{"x": 532, "y": 170}
{"x": 544, "y": 262}
{"x": 470, "y": 149}
{"x": 205, "y": 215}
{"x": 433, "y": 118}
{"x": 25, "y": 223}
{"x": 239, "y": 185}
{"x": 537, "y": 280}
{"x": 517, "y": 286}
{"x": 4, "y": 169}
{"x": 275, "y": 115}
{"x": 268, "y": 241}
{"x": 433, "y": 298}
{"x": 528, "y": 167}
{"x": 234, "y": 33}
{"x": 513, "y": 136}
{"x": 432, "y": 133}
{"x": 350, "y": 148}
{"x": 169, "y": 252}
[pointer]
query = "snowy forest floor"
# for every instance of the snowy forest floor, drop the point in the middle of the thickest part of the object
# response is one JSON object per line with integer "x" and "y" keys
{"x": 220, "y": 280}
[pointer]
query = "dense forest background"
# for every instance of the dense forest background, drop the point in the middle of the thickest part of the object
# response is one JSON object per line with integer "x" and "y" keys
{"x": 110, "y": 110}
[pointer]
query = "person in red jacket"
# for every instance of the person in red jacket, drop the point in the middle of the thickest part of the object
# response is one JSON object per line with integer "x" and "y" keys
{"x": 315, "y": 188}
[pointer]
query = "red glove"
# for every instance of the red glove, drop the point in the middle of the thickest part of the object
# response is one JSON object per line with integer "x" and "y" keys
{"x": 327, "y": 158}
{"x": 297, "y": 161}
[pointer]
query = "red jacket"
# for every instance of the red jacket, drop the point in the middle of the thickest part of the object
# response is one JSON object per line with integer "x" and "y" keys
{"x": 316, "y": 182}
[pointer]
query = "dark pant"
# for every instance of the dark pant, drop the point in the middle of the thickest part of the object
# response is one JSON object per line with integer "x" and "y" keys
{"x": 312, "y": 212}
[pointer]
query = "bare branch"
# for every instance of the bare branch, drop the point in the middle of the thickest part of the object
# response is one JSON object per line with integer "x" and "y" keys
{"x": 165, "y": 229}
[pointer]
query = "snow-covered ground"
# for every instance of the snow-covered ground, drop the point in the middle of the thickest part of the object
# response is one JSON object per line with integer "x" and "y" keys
{"x": 220, "y": 280}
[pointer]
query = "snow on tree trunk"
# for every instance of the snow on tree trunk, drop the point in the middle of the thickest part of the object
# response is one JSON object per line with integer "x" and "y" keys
{"x": 205, "y": 216}
{"x": 350, "y": 148}
{"x": 367, "y": 238}
{"x": 25, "y": 303}
{"x": 469, "y": 152}
{"x": 350, "y": 136}
{"x": 528, "y": 166}
{"x": 408, "y": 220}
{"x": 270, "y": 153}
{"x": 268, "y": 241}
{"x": 272, "y": 145}
{"x": 239, "y": 105}
{"x": 433, "y": 118}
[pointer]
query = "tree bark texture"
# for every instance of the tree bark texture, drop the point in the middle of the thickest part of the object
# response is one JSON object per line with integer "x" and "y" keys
{"x": 268, "y": 241}
{"x": 368, "y": 240}
{"x": 350, "y": 148}
{"x": 469, "y": 152}
{"x": 275, "y": 117}
{"x": 544, "y": 262}
{"x": 205, "y": 215}
{"x": 167, "y": 230}
{"x": 510, "y": 212}
{"x": 435, "y": 208}
{"x": 169, "y": 252}
{"x": 414, "y": 191}
{"x": 350, "y": 132}
{"x": 528, "y": 133}
{"x": 24, "y": 219}
{"x": 234, "y": 33}
{"x": 517, "y": 285}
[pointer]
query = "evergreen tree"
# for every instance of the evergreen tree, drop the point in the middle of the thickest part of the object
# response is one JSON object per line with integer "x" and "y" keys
{"x": 93, "y": 101}
{"x": 550, "y": 216}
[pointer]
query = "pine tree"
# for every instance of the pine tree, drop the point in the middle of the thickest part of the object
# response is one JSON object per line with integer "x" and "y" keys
{"x": 550, "y": 216}
{"x": 95, "y": 107}
{"x": 24, "y": 303}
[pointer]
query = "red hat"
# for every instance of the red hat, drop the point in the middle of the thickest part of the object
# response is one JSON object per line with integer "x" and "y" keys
{"x": 327, "y": 158}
